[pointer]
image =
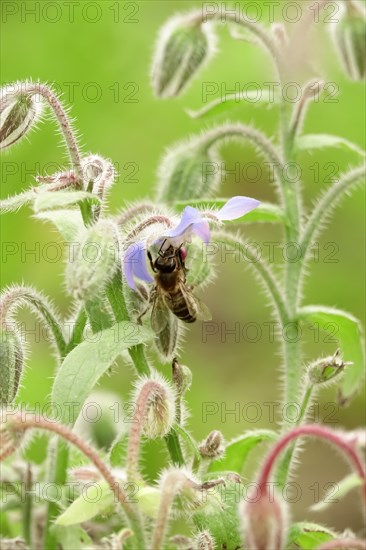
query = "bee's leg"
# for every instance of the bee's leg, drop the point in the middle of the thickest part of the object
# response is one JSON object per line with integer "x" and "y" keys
{"x": 151, "y": 301}
{"x": 151, "y": 261}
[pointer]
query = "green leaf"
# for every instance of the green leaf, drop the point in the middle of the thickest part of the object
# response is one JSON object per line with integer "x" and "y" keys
{"x": 118, "y": 452}
{"x": 238, "y": 450}
{"x": 265, "y": 212}
{"x": 60, "y": 199}
{"x": 191, "y": 444}
{"x": 73, "y": 537}
{"x": 12, "y": 204}
{"x": 220, "y": 515}
{"x": 347, "y": 330}
{"x": 100, "y": 501}
{"x": 86, "y": 363}
{"x": 308, "y": 536}
{"x": 318, "y": 141}
{"x": 337, "y": 492}
{"x": 229, "y": 101}
{"x": 68, "y": 222}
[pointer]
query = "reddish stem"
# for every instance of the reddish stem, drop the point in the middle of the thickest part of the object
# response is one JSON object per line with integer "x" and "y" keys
{"x": 134, "y": 440}
{"x": 343, "y": 544}
{"x": 315, "y": 430}
{"x": 21, "y": 423}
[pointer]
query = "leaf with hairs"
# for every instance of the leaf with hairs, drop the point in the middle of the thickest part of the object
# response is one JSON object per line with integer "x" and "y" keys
{"x": 237, "y": 451}
{"x": 337, "y": 492}
{"x": 85, "y": 364}
{"x": 308, "y": 536}
{"x": 350, "y": 338}
{"x": 307, "y": 142}
{"x": 68, "y": 222}
{"x": 61, "y": 199}
{"x": 229, "y": 101}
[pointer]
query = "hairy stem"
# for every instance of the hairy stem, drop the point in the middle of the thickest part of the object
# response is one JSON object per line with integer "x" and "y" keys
{"x": 64, "y": 124}
{"x": 17, "y": 296}
{"x": 173, "y": 482}
{"x": 263, "y": 270}
{"x": 23, "y": 423}
{"x": 223, "y": 15}
{"x": 325, "y": 204}
{"x": 347, "y": 449}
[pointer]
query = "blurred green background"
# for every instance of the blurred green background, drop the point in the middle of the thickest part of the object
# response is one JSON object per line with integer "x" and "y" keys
{"x": 100, "y": 60}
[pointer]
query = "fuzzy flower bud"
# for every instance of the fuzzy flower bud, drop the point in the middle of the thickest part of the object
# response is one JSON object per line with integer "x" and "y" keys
{"x": 350, "y": 36}
{"x": 11, "y": 364}
{"x": 327, "y": 369}
{"x": 183, "y": 46}
{"x": 19, "y": 111}
{"x": 186, "y": 172}
{"x": 212, "y": 446}
{"x": 263, "y": 519}
{"x": 204, "y": 541}
{"x": 94, "y": 262}
{"x": 160, "y": 411}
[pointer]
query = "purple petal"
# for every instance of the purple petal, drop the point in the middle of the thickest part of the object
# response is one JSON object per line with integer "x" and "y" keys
{"x": 190, "y": 216}
{"x": 202, "y": 230}
{"x": 135, "y": 265}
{"x": 236, "y": 207}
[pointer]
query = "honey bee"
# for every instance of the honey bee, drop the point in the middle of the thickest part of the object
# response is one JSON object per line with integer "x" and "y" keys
{"x": 171, "y": 293}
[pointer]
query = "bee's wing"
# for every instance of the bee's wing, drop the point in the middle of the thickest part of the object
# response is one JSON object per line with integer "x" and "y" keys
{"x": 195, "y": 306}
{"x": 159, "y": 314}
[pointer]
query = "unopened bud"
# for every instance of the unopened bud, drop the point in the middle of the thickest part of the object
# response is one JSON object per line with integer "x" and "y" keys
{"x": 204, "y": 541}
{"x": 19, "y": 111}
{"x": 263, "y": 518}
{"x": 159, "y": 412}
{"x": 182, "y": 377}
{"x": 327, "y": 369}
{"x": 190, "y": 170}
{"x": 94, "y": 263}
{"x": 184, "y": 44}
{"x": 213, "y": 445}
{"x": 11, "y": 364}
{"x": 350, "y": 36}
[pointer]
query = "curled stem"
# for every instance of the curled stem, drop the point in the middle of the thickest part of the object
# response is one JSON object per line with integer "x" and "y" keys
{"x": 63, "y": 121}
{"x": 223, "y": 15}
{"x": 16, "y": 296}
{"x": 266, "y": 275}
{"x": 315, "y": 430}
{"x": 326, "y": 203}
{"x": 260, "y": 140}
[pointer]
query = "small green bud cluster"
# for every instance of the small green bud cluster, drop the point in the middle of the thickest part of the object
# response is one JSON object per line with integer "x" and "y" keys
{"x": 213, "y": 446}
{"x": 327, "y": 369}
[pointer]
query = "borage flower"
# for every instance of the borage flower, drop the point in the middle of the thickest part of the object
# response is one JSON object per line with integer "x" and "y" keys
{"x": 192, "y": 223}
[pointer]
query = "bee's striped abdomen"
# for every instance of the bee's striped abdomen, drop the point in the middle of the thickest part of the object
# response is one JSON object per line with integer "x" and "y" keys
{"x": 178, "y": 305}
